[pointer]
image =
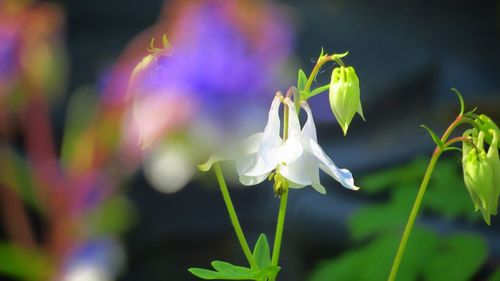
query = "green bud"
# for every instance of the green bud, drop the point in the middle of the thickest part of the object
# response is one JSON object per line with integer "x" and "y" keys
{"x": 344, "y": 96}
{"x": 486, "y": 124}
{"x": 482, "y": 172}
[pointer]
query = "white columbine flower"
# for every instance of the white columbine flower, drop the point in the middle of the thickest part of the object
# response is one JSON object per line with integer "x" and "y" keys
{"x": 295, "y": 161}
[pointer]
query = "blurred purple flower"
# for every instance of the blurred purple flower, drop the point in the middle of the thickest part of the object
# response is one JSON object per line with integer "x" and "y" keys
{"x": 217, "y": 62}
{"x": 227, "y": 56}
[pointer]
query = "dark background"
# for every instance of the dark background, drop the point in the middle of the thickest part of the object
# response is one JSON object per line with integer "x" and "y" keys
{"x": 408, "y": 54}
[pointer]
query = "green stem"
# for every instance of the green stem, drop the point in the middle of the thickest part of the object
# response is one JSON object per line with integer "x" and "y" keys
{"x": 413, "y": 215}
{"x": 278, "y": 237}
{"x": 315, "y": 71}
{"x": 279, "y": 229}
{"x": 317, "y": 67}
{"x": 233, "y": 216}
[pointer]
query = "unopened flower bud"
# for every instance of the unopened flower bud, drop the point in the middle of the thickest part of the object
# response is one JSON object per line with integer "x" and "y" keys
{"x": 344, "y": 96}
{"x": 486, "y": 124}
{"x": 482, "y": 172}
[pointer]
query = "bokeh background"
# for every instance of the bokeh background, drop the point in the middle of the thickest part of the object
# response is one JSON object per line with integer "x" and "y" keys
{"x": 98, "y": 175}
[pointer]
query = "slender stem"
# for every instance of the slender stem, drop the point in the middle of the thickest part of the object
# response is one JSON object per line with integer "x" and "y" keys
{"x": 461, "y": 119}
{"x": 278, "y": 237}
{"x": 233, "y": 216}
{"x": 279, "y": 229}
{"x": 413, "y": 214}
{"x": 316, "y": 69}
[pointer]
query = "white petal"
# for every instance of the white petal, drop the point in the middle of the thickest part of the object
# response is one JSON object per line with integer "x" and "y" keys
{"x": 343, "y": 176}
{"x": 295, "y": 172}
{"x": 293, "y": 119}
{"x": 273, "y": 122}
{"x": 251, "y": 144}
{"x": 309, "y": 129}
{"x": 246, "y": 180}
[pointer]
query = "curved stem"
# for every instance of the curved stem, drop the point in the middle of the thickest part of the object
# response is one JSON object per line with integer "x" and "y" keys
{"x": 459, "y": 121}
{"x": 413, "y": 215}
{"x": 233, "y": 216}
{"x": 318, "y": 66}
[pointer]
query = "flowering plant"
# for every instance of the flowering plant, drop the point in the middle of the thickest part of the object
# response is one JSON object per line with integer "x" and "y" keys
{"x": 291, "y": 160}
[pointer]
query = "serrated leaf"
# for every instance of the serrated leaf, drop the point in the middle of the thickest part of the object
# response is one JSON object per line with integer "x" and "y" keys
{"x": 465, "y": 253}
{"x": 262, "y": 253}
{"x": 301, "y": 80}
{"x": 224, "y": 271}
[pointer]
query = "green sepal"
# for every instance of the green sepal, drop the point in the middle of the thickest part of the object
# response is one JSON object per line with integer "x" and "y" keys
{"x": 487, "y": 125}
{"x": 434, "y": 137}
{"x": 461, "y": 99}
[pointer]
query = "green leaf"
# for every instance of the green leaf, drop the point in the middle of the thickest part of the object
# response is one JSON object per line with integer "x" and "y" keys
{"x": 301, "y": 80}
{"x": 434, "y": 137}
{"x": 461, "y": 99}
{"x": 18, "y": 176}
{"x": 447, "y": 182}
{"x": 77, "y": 142}
{"x": 464, "y": 253}
{"x": 372, "y": 262}
{"x": 114, "y": 216}
{"x": 262, "y": 253}
{"x": 225, "y": 271}
{"x": 401, "y": 175}
{"x": 382, "y": 218}
{"x": 24, "y": 264}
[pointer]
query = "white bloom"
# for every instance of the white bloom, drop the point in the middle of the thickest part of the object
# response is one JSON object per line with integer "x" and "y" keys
{"x": 297, "y": 159}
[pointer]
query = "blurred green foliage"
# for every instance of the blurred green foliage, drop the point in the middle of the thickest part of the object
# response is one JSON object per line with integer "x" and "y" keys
{"x": 376, "y": 230}
{"x": 23, "y": 263}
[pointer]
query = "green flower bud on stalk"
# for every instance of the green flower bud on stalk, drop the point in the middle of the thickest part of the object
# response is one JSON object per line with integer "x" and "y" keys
{"x": 344, "y": 96}
{"x": 482, "y": 172}
{"x": 486, "y": 124}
